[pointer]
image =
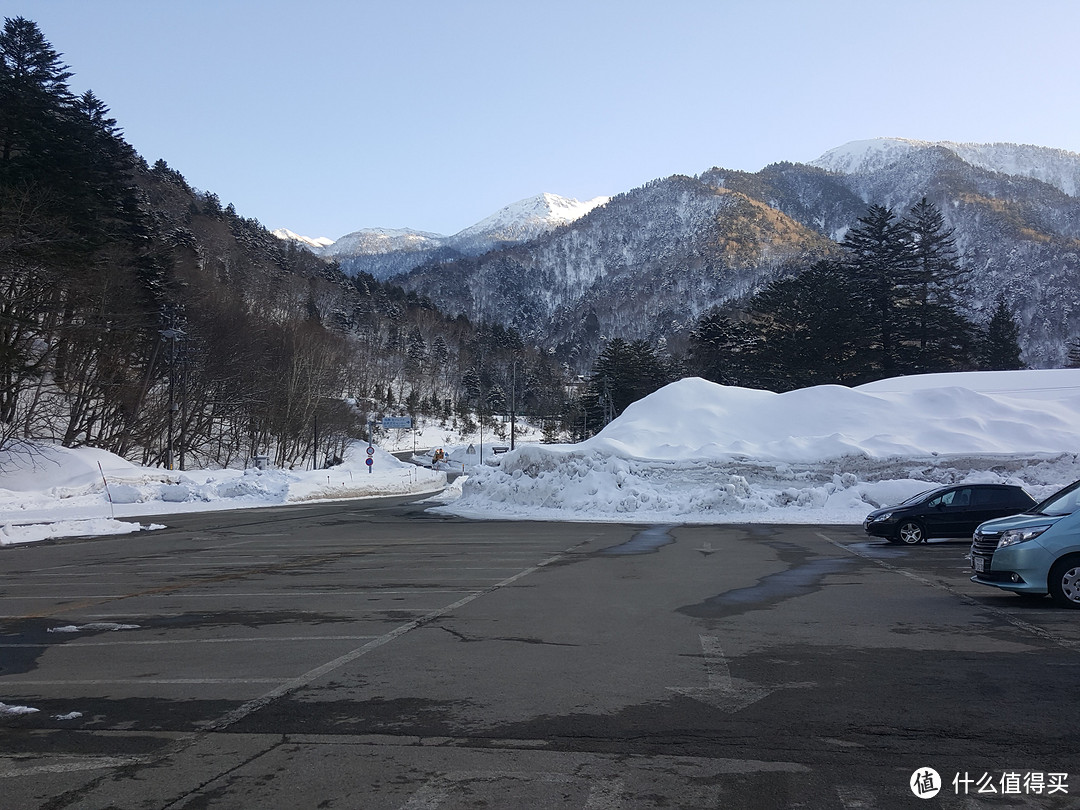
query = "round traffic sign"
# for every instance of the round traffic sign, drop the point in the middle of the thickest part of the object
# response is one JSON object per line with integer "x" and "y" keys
{"x": 370, "y": 450}
{"x": 370, "y": 461}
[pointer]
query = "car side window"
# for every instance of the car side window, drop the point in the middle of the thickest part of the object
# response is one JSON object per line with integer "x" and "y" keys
{"x": 948, "y": 498}
{"x": 954, "y": 498}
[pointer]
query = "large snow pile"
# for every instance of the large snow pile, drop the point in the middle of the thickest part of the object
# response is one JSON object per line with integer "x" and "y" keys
{"x": 700, "y": 452}
{"x": 51, "y": 491}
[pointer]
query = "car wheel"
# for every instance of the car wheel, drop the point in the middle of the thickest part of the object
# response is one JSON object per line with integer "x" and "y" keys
{"x": 1064, "y": 582}
{"x": 910, "y": 533}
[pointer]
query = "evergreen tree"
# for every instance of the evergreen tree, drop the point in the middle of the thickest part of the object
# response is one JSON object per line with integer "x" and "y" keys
{"x": 623, "y": 373}
{"x": 471, "y": 385}
{"x": 879, "y": 258}
{"x": 1001, "y": 341}
{"x": 718, "y": 349}
{"x": 416, "y": 349}
{"x": 938, "y": 337}
{"x": 809, "y": 329}
{"x": 33, "y": 96}
{"x": 495, "y": 399}
{"x": 79, "y": 291}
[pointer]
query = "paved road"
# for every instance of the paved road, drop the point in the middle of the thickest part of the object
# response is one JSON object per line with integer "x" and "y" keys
{"x": 369, "y": 655}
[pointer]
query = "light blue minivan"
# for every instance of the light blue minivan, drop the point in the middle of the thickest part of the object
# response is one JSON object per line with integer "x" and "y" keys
{"x": 1033, "y": 553}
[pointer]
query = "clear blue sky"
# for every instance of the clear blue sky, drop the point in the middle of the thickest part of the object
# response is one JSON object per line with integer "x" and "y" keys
{"x": 326, "y": 116}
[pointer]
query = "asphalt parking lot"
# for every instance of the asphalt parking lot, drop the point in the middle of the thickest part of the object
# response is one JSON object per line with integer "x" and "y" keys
{"x": 370, "y": 655}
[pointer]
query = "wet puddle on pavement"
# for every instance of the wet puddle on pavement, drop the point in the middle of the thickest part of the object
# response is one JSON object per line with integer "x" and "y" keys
{"x": 648, "y": 541}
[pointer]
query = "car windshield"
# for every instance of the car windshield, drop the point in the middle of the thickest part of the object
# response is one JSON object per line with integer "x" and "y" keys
{"x": 926, "y": 493}
{"x": 1060, "y": 503}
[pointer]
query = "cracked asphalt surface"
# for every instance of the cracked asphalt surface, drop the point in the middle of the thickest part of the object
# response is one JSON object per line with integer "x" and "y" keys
{"x": 370, "y": 655}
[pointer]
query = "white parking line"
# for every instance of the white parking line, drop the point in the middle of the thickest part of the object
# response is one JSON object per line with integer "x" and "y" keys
{"x": 1034, "y": 630}
{"x": 88, "y": 764}
{"x": 252, "y": 706}
{"x": 251, "y": 594}
{"x": 136, "y": 643}
{"x": 129, "y": 681}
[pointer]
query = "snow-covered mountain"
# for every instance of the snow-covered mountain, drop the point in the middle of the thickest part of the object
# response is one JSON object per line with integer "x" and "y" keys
{"x": 386, "y": 252}
{"x": 522, "y": 221}
{"x": 1056, "y": 167}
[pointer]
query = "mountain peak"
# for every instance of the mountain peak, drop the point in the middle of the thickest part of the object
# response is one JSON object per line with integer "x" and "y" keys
{"x": 529, "y": 218}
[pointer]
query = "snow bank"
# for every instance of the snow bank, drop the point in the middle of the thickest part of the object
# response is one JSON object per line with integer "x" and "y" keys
{"x": 10, "y": 710}
{"x": 700, "y": 452}
{"x": 48, "y": 491}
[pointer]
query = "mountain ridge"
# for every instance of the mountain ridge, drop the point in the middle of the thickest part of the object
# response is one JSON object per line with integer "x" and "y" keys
{"x": 386, "y": 252}
{"x": 647, "y": 263}
{"x": 1057, "y": 167}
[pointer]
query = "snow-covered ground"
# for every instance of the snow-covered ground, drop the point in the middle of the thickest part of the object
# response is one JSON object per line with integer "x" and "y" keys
{"x": 693, "y": 452}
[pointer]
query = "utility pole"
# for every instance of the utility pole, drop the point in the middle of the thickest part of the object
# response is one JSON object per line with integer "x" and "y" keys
{"x": 172, "y": 334}
{"x": 183, "y": 407}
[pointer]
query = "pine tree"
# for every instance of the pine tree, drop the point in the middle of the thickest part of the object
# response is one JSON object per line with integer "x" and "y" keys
{"x": 879, "y": 258}
{"x": 718, "y": 349}
{"x": 939, "y": 337}
{"x": 809, "y": 329}
{"x": 33, "y": 97}
{"x": 624, "y": 373}
{"x": 1001, "y": 341}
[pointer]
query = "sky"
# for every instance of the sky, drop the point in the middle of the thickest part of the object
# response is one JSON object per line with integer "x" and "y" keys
{"x": 329, "y": 116}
